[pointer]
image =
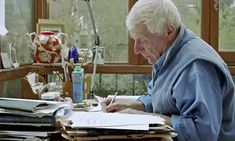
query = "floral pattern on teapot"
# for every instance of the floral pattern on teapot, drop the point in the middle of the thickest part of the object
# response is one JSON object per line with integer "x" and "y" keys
{"x": 46, "y": 47}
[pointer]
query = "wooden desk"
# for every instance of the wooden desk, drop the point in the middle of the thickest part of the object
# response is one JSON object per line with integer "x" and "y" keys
{"x": 58, "y": 137}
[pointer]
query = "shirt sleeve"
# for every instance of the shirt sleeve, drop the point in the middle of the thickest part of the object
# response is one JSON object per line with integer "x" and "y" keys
{"x": 198, "y": 97}
{"x": 146, "y": 99}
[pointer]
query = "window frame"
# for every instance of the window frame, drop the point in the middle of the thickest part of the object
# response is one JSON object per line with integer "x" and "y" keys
{"x": 228, "y": 56}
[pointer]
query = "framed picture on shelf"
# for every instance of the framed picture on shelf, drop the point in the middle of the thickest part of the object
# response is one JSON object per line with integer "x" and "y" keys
{"x": 50, "y": 26}
{"x": 6, "y": 61}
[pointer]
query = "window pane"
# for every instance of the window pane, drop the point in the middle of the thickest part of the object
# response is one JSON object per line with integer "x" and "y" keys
{"x": 125, "y": 84}
{"x": 190, "y": 11}
{"x": 109, "y": 17}
{"x": 140, "y": 84}
{"x": 19, "y": 15}
{"x": 11, "y": 89}
{"x": 105, "y": 84}
{"x": 226, "y": 25}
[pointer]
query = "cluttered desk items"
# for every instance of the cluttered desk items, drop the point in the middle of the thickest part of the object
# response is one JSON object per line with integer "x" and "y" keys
{"x": 23, "y": 119}
{"x": 94, "y": 124}
{"x": 30, "y": 118}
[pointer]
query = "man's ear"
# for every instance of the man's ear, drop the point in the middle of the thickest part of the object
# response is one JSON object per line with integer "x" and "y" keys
{"x": 170, "y": 31}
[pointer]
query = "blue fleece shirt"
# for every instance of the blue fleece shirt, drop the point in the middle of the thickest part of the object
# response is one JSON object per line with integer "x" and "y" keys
{"x": 192, "y": 84}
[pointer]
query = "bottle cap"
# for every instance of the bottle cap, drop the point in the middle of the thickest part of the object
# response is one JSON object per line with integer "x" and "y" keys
{"x": 77, "y": 67}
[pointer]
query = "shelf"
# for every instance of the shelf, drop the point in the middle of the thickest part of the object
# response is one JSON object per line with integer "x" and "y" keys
{"x": 22, "y": 71}
{"x": 11, "y": 74}
{"x": 44, "y": 69}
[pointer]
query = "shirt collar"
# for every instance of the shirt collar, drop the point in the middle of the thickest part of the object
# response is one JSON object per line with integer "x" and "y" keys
{"x": 169, "y": 52}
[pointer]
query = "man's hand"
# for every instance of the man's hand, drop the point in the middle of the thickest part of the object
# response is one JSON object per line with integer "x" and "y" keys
{"x": 121, "y": 104}
{"x": 125, "y": 104}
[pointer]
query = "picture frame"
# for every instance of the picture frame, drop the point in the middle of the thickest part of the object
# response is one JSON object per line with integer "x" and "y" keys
{"x": 6, "y": 61}
{"x": 49, "y": 26}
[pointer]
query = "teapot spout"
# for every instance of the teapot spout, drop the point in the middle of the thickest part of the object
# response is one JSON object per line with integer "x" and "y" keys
{"x": 30, "y": 37}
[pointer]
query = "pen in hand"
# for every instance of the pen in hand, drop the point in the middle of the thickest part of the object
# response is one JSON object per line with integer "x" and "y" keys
{"x": 112, "y": 100}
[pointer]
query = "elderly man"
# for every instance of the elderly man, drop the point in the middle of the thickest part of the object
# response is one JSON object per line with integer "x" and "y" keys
{"x": 191, "y": 85}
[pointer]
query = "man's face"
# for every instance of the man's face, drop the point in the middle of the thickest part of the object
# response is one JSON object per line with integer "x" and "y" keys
{"x": 149, "y": 45}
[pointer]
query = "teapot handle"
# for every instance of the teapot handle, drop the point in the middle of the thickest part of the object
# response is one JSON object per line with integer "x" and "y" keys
{"x": 63, "y": 36}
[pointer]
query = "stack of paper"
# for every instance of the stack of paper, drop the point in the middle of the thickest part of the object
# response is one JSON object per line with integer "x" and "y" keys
{"x": 29, "y": 115}
{"x": 100, "y": 125}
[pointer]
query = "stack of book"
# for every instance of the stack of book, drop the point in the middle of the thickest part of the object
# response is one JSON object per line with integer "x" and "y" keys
{"x": 21, "y": 118}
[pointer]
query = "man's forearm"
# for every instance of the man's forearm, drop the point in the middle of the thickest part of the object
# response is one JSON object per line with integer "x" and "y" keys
{"x": 137, "y": 105}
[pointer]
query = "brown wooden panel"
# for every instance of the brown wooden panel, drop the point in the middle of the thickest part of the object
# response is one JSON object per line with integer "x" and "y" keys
{"x": 232, "y": 70}
{"x": 120, "y": 69}
{"x": 11, "y": 74}
{"x": 26, "y": 90}
{"x": 38, "y": 12}
{"x": 135, "y": 59}
{"x": 1, "y": 65}
{"x": 214, "y": 25}
{"x": 43, "y": 70}
{"x": 1, "y": 89}
{"x": 142, "y": 60}
{"x": 131, "y": 3}
{"x": 229, "y": 57}
{"x": 41, "y": 11}
{"x": 205, "y": 20}
{"x": 132, "y": 57}
{"x": 107, "y": 69}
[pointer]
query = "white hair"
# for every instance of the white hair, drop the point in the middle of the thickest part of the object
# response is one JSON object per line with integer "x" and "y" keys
{"x": 155, "y": 14}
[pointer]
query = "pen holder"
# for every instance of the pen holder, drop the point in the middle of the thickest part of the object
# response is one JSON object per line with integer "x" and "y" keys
{"x": 67, "y": 89}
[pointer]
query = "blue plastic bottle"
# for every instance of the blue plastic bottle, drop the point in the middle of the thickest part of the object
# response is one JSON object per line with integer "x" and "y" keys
{"x": 77, "y": 76}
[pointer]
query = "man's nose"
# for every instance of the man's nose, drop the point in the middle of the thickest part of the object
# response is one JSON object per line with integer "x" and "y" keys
{"x": 138, "y": 47}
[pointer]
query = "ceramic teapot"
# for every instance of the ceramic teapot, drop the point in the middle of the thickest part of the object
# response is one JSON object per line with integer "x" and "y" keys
{"x": 46, "y": 46}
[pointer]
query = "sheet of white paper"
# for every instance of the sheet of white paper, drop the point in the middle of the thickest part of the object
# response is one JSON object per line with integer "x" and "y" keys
{"x": 31, "y": 77}
{"x": 101, "y": 119}
{"x": 128, "y": 127}
{"x": 126, "y": 97}
{"x": 3, "y": 30}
